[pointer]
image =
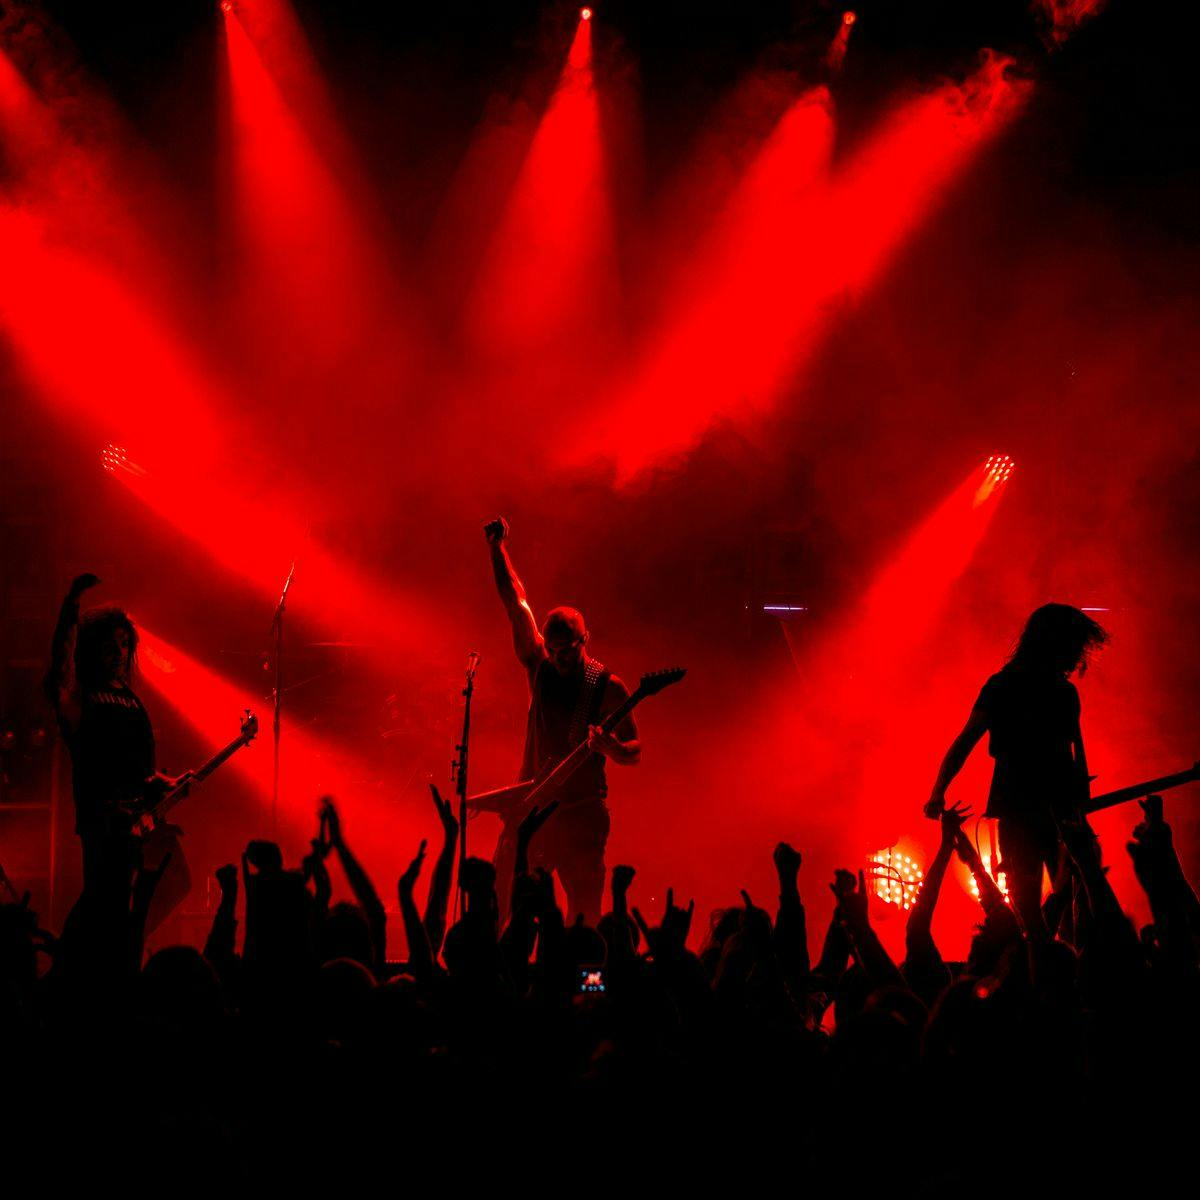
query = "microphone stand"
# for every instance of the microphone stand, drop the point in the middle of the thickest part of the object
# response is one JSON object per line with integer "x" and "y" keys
{"x": 458, "y": 774}
{"x": 277, "y": 723}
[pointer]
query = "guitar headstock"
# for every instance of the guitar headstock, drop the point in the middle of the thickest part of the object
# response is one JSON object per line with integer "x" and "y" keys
{"x": 655, "y": 681}
{"x": 249, "y": 727}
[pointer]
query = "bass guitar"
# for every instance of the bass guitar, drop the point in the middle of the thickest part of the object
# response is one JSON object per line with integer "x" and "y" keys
{"x": 514, "y": 802}
{"x": 148, "y": 812}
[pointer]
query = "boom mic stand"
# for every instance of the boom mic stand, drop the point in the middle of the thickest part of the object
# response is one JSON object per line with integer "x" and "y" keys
{"x": 458, "y": 773}
{"x": 277, "y": 722}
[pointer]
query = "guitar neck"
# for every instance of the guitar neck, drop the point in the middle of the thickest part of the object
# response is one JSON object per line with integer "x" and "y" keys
{"x": 573, "y": 761}
{"x": 1138, "y": 791}
{"x": 172, "y": 798}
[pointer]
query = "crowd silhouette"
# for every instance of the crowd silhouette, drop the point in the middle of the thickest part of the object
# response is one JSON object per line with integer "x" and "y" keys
{"x": 518, "y": 1042}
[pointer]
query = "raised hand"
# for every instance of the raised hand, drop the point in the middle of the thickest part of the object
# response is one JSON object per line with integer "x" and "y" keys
{"x": 934, "y": 806}
{"x": 852, "y": 901}
{"x": 670, "y": 938}
{"x": 496, "y": 531}
{"x": 445, "y": 812}
{"x": 622, "y": 877}
{"x": 534, "y": 819}
{"x": 953, "y": 820}
{"x": 333, "y": 823}
{"x": 409, "y": 878}
{"x": 787, "y": 862}
{"x": 1151, "y": 841}
{"x": 843, "y": 883}
{"x": 227, "y": 877}
{"x": 83, "y": 583}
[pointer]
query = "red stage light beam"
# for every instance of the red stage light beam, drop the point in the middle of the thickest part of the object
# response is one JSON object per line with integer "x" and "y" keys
{"x": 847, "y": 727}
{"x": 379, "y": 819}
{"x": 908, "y": 594}
{"x": 92, "y": 348}
{"x": 309, "y": 766}
{"x": 721, "y": 344}
{"x": 785, "y": 254}
{"x": 26, "y": 123}
{"x": 550, "y": 262}
{"x": 307, "y": 269}
{"x": 255, "y": 539}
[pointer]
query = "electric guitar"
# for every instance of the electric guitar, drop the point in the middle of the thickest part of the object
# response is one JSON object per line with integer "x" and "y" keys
{"x": 149, "y": 811}
{"x": 1138, "y": 791}
{"x": 514, "y": 802}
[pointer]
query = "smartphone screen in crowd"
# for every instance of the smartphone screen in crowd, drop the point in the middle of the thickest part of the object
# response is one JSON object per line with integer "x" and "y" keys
{"x": 591, "y": 979}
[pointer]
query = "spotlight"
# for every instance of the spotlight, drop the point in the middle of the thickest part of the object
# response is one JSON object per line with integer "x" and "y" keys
{"x": 998, "y": 877}
{"x": 895, "y": 878}
{"x": 585, "y": 14}
{"x": 227, "y": 7}
{"x": 114, "y": 459}
{"x": 999, "y": 467}
{"x": 848, "y": 18}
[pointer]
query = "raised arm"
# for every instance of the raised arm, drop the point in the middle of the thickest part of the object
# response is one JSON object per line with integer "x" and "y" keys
{"x": 438, "y": 900}
{"x": 527, "y": 640}
{"x": 991, "y": 898}
{"x": 920, "y": 917}
{"x": 421, "y": 956}
{"x": 360, "y": 884}
{"x": 790, "y": 935}
{"x": 59, "y": 683}
{"x": 956, "y": 756}
{"x": 220, "y": 948}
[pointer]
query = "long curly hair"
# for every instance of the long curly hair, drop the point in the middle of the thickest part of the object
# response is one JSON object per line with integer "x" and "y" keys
{"x": 96, "y": 627}
{"x": 1059, "y": 638}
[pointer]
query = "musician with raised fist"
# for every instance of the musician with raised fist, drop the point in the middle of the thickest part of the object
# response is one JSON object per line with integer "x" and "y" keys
{"x": 570, "y": 694}
{"x": 108, "y": 733}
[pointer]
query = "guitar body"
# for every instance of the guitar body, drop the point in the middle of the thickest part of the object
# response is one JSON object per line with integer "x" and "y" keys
{"x": 176, "y": 880}
{"x": 158, "y": 838}
{"x": 513, "y": 802}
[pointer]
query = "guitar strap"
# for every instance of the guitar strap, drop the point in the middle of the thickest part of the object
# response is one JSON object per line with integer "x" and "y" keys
{"x": 591, "y": 696}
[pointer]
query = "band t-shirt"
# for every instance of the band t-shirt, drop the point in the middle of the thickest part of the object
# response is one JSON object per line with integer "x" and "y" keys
{"x": 553, "y": 704}
{"x": 1032, "y": 721}
{"x": 112, "y": 754}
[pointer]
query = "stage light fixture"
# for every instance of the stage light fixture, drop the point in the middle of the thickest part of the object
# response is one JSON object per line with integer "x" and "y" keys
{"x": 585, "y": 14}
{"x": 998, "y": 467}
{"x": 114, "y": 458}
{"x": 227, "y": 7}
{"x": 895, "y": 878}
{"x": 848, "y": 18}
{"x": 998, "y": 877}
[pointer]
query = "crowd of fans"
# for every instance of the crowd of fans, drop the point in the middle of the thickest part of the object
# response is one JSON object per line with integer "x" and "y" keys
{"x": 522, "y": 1046}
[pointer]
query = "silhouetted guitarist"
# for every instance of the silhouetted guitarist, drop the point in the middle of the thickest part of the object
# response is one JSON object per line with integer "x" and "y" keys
{"x": 108, "y": 733}
{"x": 569, "y": 694}
{"x": 1030, "y": 710}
